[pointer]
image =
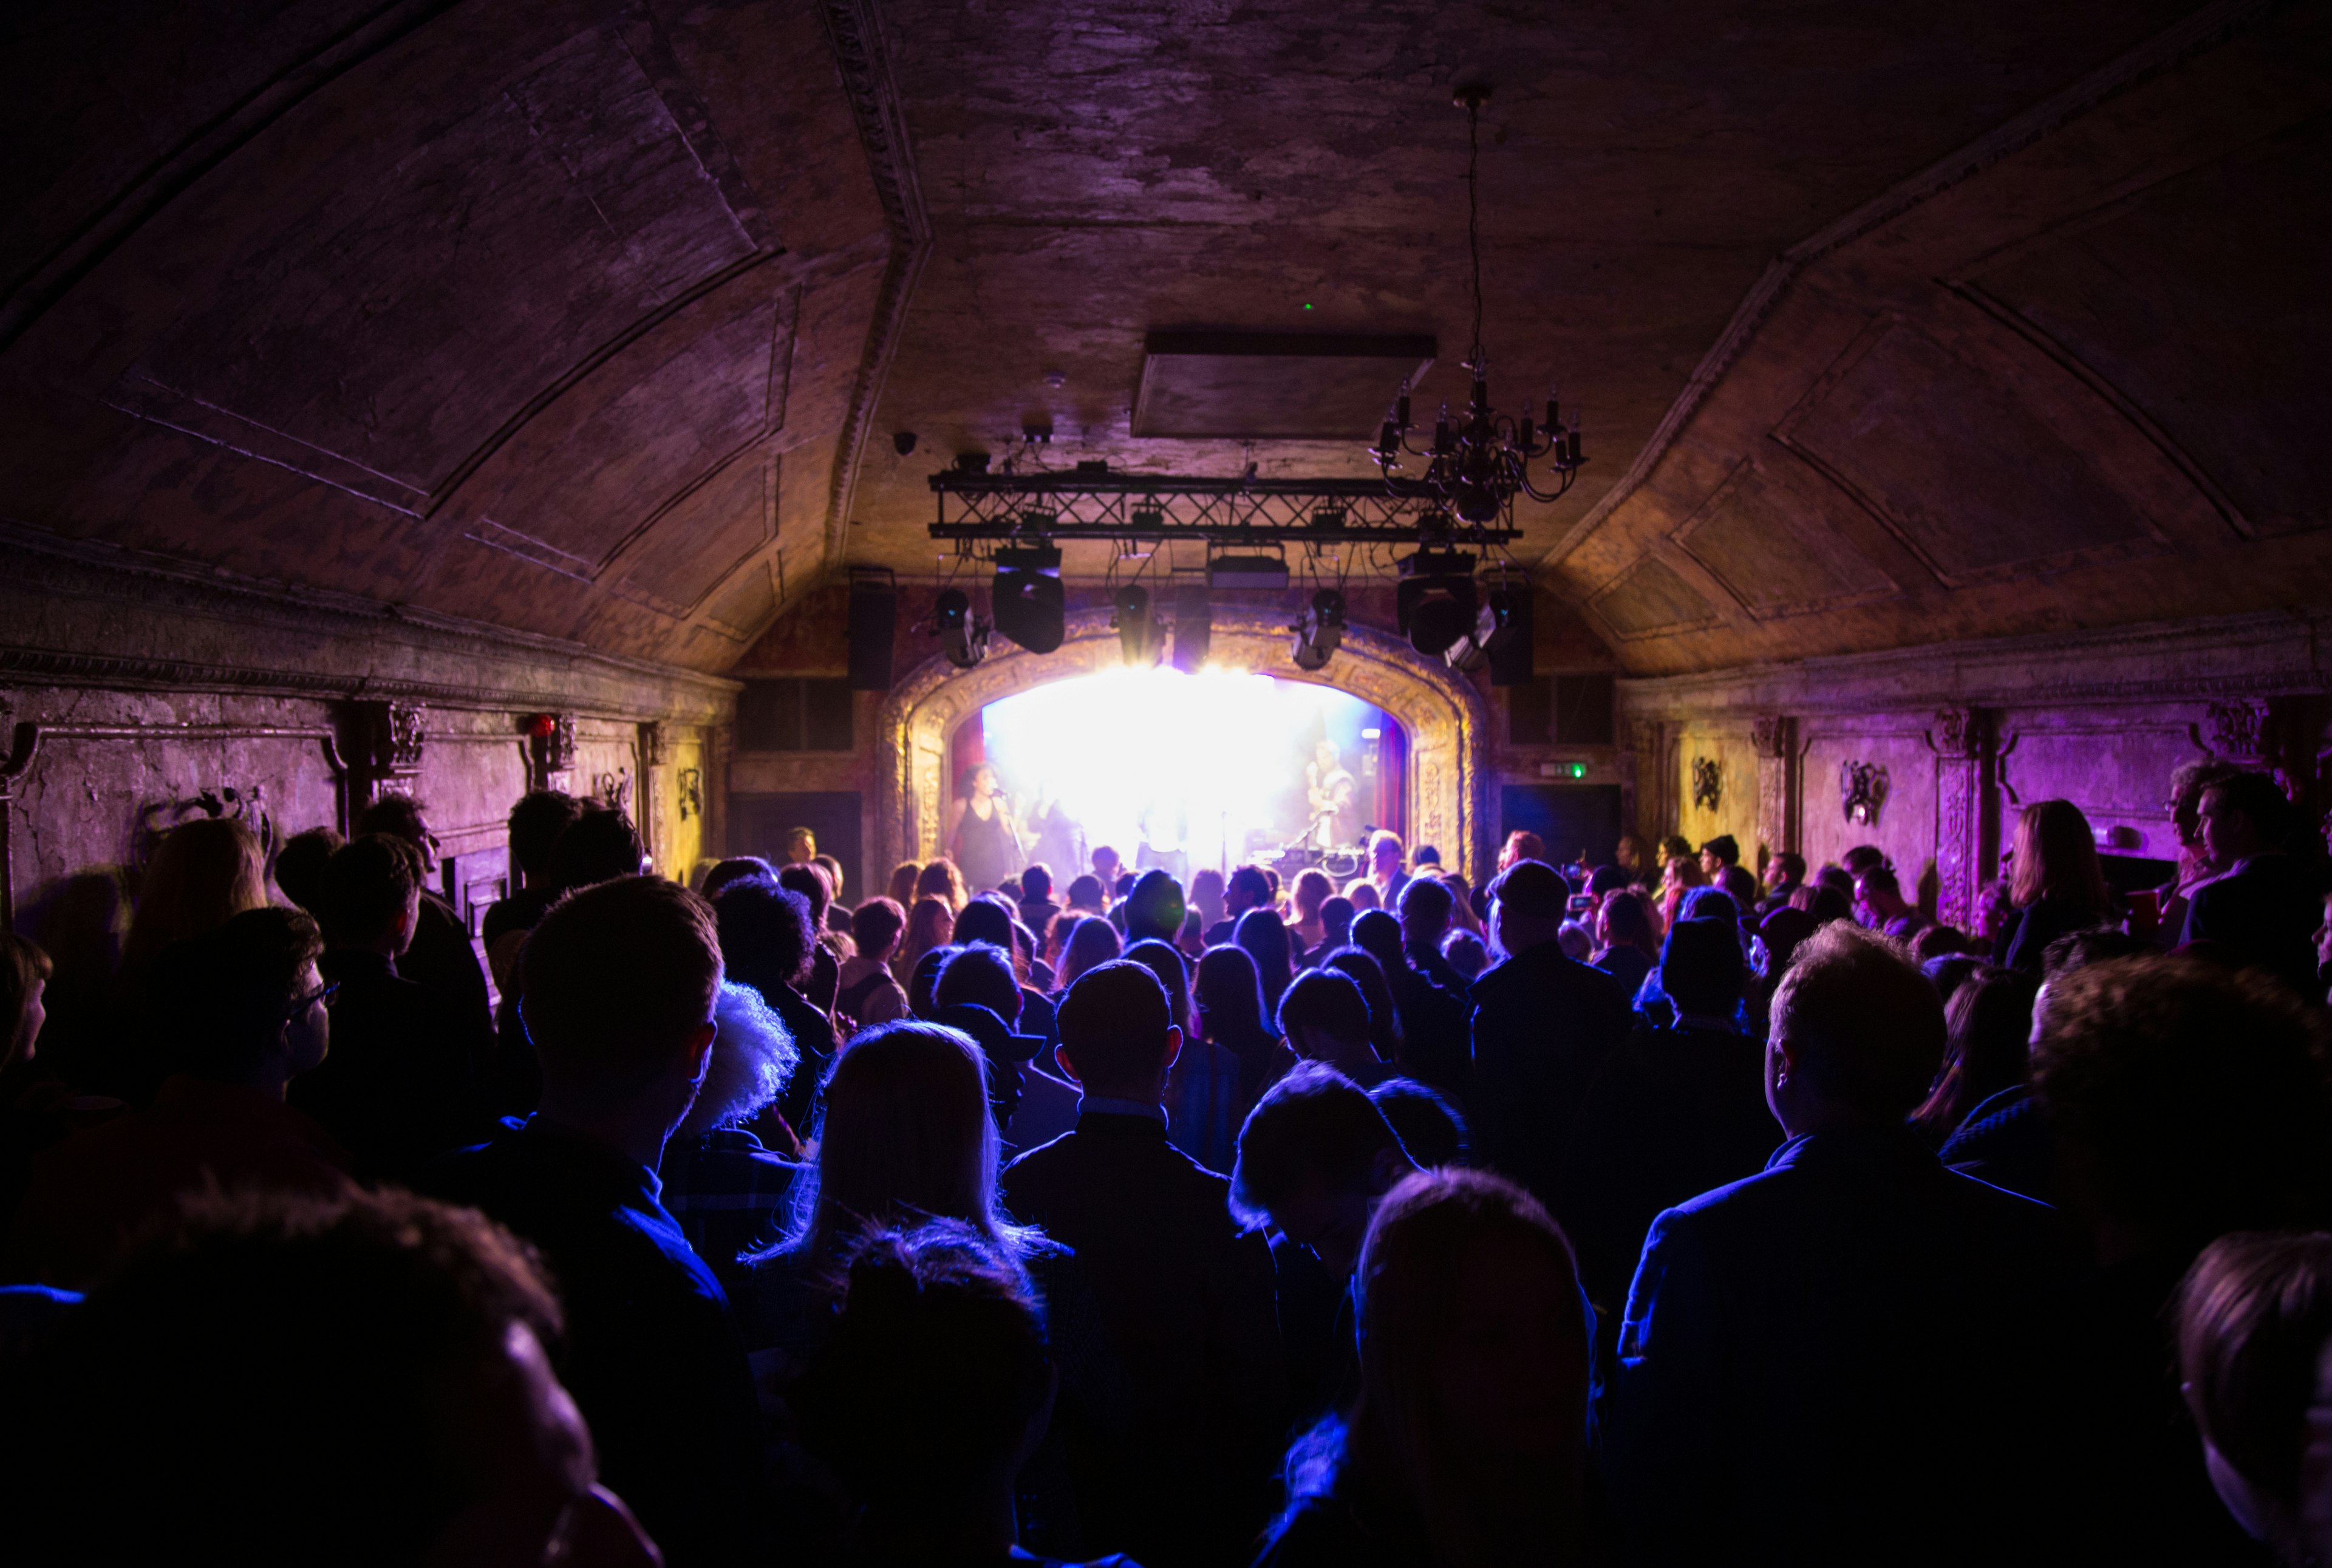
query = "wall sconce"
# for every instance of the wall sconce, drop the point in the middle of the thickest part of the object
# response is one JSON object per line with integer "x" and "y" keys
{"x": 1862, "y": 790}
{"x": 1707, "y": 783}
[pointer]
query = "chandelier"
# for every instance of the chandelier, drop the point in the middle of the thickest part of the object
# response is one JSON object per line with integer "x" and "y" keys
{"x": 1478, "y": 465}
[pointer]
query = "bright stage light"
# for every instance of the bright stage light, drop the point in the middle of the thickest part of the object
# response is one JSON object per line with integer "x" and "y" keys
{"x": 1207, "y": 765}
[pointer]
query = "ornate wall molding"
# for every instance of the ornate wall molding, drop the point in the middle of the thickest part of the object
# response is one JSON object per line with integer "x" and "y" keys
{"x": 1773, "y": 737}
{"x": 1962, "y": 741}
{"x": 1446, "y": 722}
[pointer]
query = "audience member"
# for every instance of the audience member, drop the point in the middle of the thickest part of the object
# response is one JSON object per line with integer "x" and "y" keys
{"x": 1577, "y": 942}
{"x": 724, "y": 1186}
{"x": 203, "y": 874}
{"x": 25, "y": 971}
{"x": 1384, "y": 1018}
{"x": 2195, "y": 866}
{"x": 1987, "y": 1031}
{"x": 1206, "y": 897}
{"x": 1881, "y": 905}
{"x": 1627, "y": 945}
{"x": 869, "y": 993}
{"x": 1037, "y": 905}
{"x": 1433, "y": 1043}
{"x": 1263, "y": 935}
{"x": 1466, "y": 954}
{"x": 735, "y": 869}
{"x": 247, "y": 1011}
{"x": 2058, "y": 887}
{"x": 2265, "y": 906}
{"x": 1824, "y": 901}
{"x": 1948, "y": 974}
{"x": 1521, "y": 845}
{"x": 621, "y": 982}
{"x": 1093, "y": 942}
{"x": 1940, "y": 941}
{"x": 440, "y": 958}
{"x": 930, "y": 923}
{"x": 535, "y": 824}
{"x": 1542, "y": 1027}
{"x": 825, "y": 981}
{"x": 1087, "y": 896}
{"x": 1465, "y": 1441}
{"x": 299, "y": 867}
{"x": 396, "y": 1090}
{"x": 766, "y": 943}
{"x": 1202, "y": 1100}
{"x": 1184, "y": 1297}
{"x": 1031, "y": 1106}
{"x": 1106, "y": 865}
{"x": 1247, "y": 888}
{"x": 1719, "y": 855}
{"x": 1231, "y": 1014}
{"x": 838, "y": 908}
{"x": 2254, "y": 1325}
{"x": 1361, "y": 895}
{"x": 1785, "y": 872}
{"x": 1428, "y": 1126}
{"x": 1855, "y": 1345}
{"x": 1385, "y": 875}
{"x": 939, "y": 879}
{"x": 903, "y": 877}
{"x": 1324, "y": 1018}
{"x": 1861, "y": 858}
{"x": 801, "y": 847}
{"x": 1154, "y": 911}
{"x": 380, "y": 1360}
{"x": 1336, "y": 916}
{"x": 1313, "y": 889}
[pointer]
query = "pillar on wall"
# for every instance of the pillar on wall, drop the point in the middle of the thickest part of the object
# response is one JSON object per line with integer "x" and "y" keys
{"x": 1962, "y": 743}
{"x": 1774, "y": 739}
{"x": 655, "y": 829}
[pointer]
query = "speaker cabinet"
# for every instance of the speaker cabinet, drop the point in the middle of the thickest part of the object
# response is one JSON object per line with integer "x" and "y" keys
{"x": 873, "y": 623}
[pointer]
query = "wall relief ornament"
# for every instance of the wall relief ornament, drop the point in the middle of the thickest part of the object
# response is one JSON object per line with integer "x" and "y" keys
{"x": 1862, "y": 792}
{"x": 1707, "y": 783}
{"x": 614, "y": 790}
{"x": 690, "y": 783}
{"x": 1769, "y": 736}
{"x": 2239, "y": 730}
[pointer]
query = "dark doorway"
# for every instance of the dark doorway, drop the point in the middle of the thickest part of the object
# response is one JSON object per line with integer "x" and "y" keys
{"x": 1578, "y": 821}
{"x": 758, "y": 825}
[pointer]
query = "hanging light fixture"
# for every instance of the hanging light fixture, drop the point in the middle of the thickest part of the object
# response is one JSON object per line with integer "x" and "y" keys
{"x": 1479, "y": 463}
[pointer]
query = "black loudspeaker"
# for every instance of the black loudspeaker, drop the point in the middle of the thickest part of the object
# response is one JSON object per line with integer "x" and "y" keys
{"x": 873, "y": 622}
{"x": 1510, "y": 659}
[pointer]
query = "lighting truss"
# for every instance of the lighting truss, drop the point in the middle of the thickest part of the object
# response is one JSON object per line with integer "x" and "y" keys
{"x": 1091, "y": 502}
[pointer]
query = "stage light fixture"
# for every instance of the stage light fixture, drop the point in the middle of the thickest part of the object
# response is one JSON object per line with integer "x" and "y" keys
{"x": 1268, "y": 572}
{"x": 1194, "y": 628}
{"x": 1494, "y": 627}
{"x": 1321, "y": 632}
{"x": 1436, "y": 602}
{"x": 1029, "y": 606}
{"x": 964, "y": 636}
{"x": 1139, "y": 634}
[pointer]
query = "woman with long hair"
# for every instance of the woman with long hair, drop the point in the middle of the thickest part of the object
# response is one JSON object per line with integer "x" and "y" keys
{"x": 1988, "y": 1028}
{"x": 903, "y": 877}
{"x": 2056, "y": 884}
{"x": 1203, "y": 1109}
{"x": 942, "y": 881}
{"x": 203, "y": 874}
{"x": 1311, "y": 889}
{"x": 1231, "y": 1014}
{"x": 1263, "y": 936}
{"x": 1627, "y": 947}
{"x": 1092, "y": 941}
{"x": 1384, "y": 1019}
{"x": 930, "y": 924}
{"x": 1683, "y": 875}
{"x": 1467, "y": 1442}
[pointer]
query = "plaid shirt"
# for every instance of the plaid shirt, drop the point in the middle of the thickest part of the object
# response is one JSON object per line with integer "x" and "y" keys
{"x": 726, "y": 1190}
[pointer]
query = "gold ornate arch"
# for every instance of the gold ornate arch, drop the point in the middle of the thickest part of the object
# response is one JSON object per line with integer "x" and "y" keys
{"x": 1443, "y": 714}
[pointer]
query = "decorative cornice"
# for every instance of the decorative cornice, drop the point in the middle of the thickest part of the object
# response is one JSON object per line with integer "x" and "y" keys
{"x": 2197, "y": 34}
{"x": 855, "y": 33}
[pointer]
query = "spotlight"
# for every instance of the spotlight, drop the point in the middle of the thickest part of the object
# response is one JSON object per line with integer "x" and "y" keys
{"x": 1194, "y": 628}
{"x": 1027, "y": 597}
{"x": 1321, "y": 632}
{"x": 1435, "y": 601}
{"x": 1493, "y": 627}
{"x": 1138, "y": 631}
{"x": 962, "y": 636}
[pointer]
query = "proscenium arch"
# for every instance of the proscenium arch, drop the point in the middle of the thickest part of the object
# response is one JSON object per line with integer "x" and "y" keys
{"x": 1445, "y": 718}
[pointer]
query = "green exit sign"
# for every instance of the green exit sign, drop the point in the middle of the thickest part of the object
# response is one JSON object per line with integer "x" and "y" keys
{"x": 1563, "y": 770}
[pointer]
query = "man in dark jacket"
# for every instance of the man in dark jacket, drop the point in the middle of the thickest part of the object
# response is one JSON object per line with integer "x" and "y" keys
{"x": 2266, "y": 910}
{"x": 1185, "y": 1294}
{"x": 619, "y": 983}
{"x": 1542, "y": 1024}
{"x": 1857, "y": 1355}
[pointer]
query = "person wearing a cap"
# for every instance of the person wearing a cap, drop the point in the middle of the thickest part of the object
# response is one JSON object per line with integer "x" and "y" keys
{"x": 978, "y": 994}
{"x": 1185, "y": 1292}
{"x": 1542, "y": 1024}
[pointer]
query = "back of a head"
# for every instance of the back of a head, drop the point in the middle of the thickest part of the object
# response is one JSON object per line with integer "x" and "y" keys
{"x": 398, "y": 816}
{"x": 2254, "y": 1316}
{"x": 2056, "y": 856}
{"x": 229, "y": 992}
{"x": 903, "y": 877}
{"x": 1949, "y": 973}
{"x": 833, "y": 869}
{"x": 1866, "y": 1027}
{"x": 1828, "y": 904}
{"x": 906, "y": 1134}
{"x": 1263, "y": 936}
{"x": 599, "y": 846}
{"x": 1036, "y": 882}
{"x": 1426, "y": 903}
{"x": 753, "y": 1054}
{"x": 1336, "y": 917}
{"x": 1085, "y": 892}
{"x": 1230, "y": 994}
{"x": 2262, "y": 800}
{"x": 1837, "y": 876}
{"x": 1466, "y": 952}
{"x": 809, "y": 881}
{"x": 367, "y": 885}
{"x": 204, "y": 873}
{"x": 2078, "y": 950}
{"x": 2196, "y": 1099}
{"x": 1708, "y": 903}
{"x": 923, "y": 1394}
{"x": 1113, "y": 1024}
{"x": 1378, "y": 935}
{"x": 1861, "y": 857}
{"x": 1701, "y": 969}
{"x": 941, "y": 879}
{"x": 876, "y": 926}
{"x": 614, "y": 979}
{"x": 1154, "y": 911}
{"x": 1881, "y": 881}
{"x": 1314, "y": 1123}
{"x": 1166, "y": 961}
{"x": 1311, "y": 888}
{"x": 299, "y": 867}
{"x": 923, "y": 979}
{"x": 1428, "y": 1126}
{"x": 1532, "y": 890}
{"x": 1627, "y": 921}
{"x": 1740, "y": 885}
{"x": 349, "y": 1349}
{"x": 737, "y": 868}
{"x": 766, "y": 935}
{"x": 985, "y": 919}
{"x": 980, "y": 974}
{"x": 1606, "y": 879}
{"x": 1092, "y": 941}
{"x": 1522, "y": 845}
{"x": 1328, "y": 1001}
{"x": 536, "y": 822}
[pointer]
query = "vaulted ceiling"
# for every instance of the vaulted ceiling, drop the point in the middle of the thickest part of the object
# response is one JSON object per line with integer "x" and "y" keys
{"x": 597, "y": 320}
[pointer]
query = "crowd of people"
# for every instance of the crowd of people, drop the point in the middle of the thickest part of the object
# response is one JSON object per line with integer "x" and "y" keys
{"x": 1672, "y": 1210}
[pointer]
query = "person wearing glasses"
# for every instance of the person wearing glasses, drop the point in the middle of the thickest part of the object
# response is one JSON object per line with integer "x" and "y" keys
{"x": 248, "y": 1018}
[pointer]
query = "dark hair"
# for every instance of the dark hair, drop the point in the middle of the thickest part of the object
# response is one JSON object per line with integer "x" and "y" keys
{"x": 809, "y": 882}
{"x": 737, "y": 868}
{"x": 1428, "y": 1126}
{"x": 1725, "y": 847}
{"x": 2254, "y": 1315}
{"x": 1431, "y": 897}
{"x": 1881, "y": 879}
{"x": 2261, "y": 801}
{"x": 1314, "y": 1121}
{"x": 1605, "y": 878}
{"x": 1701, "y": 968}
{"x": 1229, "y": 995}
{"x": 367, "y": 884}
{"x": 1385, "y": 1033}
{"x": 1532, "y": 890}
{"x": 2078, "y": 950}
{"x": 599, "y": 846}
{"x": 2198, "y": 1097}
{"x": 1263, "y": 936}
{"x": 985, "y": 919}
{"x": 536, "y": 822}
{"x": 1377, "y": 933}
{"x": 936, "y": 1363}
{"x": 1113, "y": 1022}
{"x": 1826, "y": 903}
{"x": 1251, "y": 881}
{"x": 1154, "y": 908}
{"x": 1085, "y": 891}
{"x": 1708, "y": 903}
{"x": 1793, "y": 865}
{"x": 980, "y": 973}
{"x": 299, "y": 867}
{"x": 231, "y": 990}
{"x": 1328, "y": 1001}
{"x": 1987, "y": 1028}
{"x": 1036, "y": 881}
{"x": 339, "y": 1342}
{"x": 876, "y": 925}
{"x": 1337, "y": 919}
{"x": 1174, "y": 971}
{"x": 1628, "y": 919}
{"x": 1865, "y": 1027}
{"x": 766, "y": 936}
{"x": 923, "y": 979}
{"x": 615, "y": 975}
{"x": 398, "y": 816}
{"x": 1950, "y": 972}
{"x": 1861, "y": 858}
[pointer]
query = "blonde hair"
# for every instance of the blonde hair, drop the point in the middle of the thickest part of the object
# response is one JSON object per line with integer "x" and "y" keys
{"x": 753, "y": 1054}
{"x": 203, "y": 874}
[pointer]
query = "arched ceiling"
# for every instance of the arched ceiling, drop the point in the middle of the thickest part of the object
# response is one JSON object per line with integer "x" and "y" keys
{"x": 576, "y": 316}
